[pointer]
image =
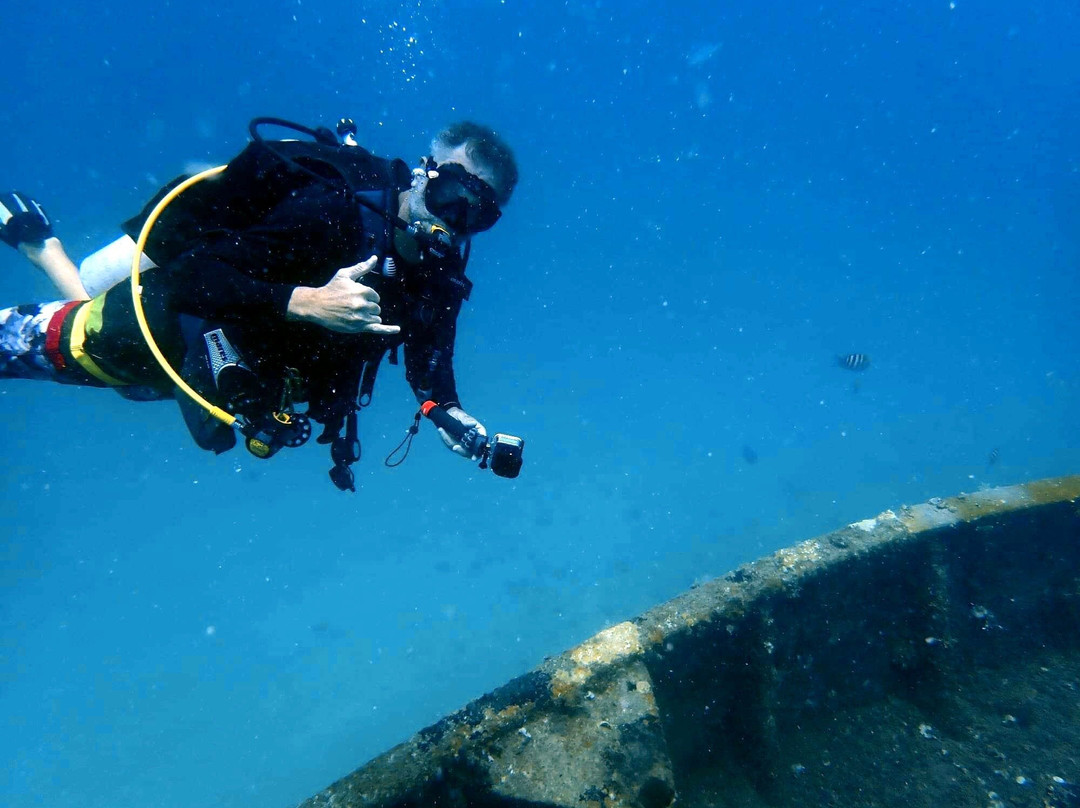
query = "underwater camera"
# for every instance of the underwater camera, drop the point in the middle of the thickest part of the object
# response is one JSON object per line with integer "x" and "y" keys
{"x": 501, "y": 452}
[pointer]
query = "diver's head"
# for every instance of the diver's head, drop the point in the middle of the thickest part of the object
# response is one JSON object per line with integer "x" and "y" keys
{"x": 481, "y": 152}
{"x": 461, "y": 187}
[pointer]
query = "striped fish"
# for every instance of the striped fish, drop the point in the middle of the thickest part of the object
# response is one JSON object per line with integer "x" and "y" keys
{"x": 854, "y": 361}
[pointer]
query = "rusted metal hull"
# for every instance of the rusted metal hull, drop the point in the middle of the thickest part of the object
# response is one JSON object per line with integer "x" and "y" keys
{"x": 927, "y": 657}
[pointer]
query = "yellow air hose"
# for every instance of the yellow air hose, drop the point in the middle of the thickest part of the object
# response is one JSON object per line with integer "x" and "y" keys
{"x": 136, "y": 298}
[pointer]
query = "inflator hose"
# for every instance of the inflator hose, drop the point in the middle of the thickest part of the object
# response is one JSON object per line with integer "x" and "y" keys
{"x": 136, "y": 299}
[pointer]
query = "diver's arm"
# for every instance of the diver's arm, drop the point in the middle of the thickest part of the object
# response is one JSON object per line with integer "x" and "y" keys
{"x": 429, "y": 369}
{"x": 274, "y": 284}
{"x": 205, "y": 286}
{"x": 429, "y": 360}
{"x": 213, "y": 290}
{"x": 344, "y": 304}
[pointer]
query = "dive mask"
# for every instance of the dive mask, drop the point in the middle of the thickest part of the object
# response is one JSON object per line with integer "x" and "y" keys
{"x": 462, "y": 200}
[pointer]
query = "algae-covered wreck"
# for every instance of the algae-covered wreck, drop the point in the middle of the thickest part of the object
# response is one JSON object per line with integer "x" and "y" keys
{"x": 927, "y": 657}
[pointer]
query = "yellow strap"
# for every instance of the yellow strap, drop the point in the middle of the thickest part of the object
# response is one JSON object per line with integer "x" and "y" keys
{"x": 136, "y": 298}
{"x": 90, "y": 311}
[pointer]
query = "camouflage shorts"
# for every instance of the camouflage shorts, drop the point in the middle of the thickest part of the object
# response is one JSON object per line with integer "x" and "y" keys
{"x": 23, "y": 337}
{"x": 26, "y": 352}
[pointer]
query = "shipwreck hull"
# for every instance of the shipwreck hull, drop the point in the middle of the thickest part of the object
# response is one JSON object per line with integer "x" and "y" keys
{"x": 927, "y": 657}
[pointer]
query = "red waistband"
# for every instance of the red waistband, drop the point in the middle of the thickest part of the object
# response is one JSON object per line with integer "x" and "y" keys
{"x": 52, "y": 334}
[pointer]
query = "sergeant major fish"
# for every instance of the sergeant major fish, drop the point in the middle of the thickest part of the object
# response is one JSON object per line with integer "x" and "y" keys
{"x": 853, "y": 361}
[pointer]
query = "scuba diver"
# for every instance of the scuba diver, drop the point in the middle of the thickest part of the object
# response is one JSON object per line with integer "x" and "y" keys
{"x": 280, "y": 279}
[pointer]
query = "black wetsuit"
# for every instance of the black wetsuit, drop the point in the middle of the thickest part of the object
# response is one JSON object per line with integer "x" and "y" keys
{"x": 230, "y": 252}
{"x": 241, "y": 278}
{"x": 244, "y": 279}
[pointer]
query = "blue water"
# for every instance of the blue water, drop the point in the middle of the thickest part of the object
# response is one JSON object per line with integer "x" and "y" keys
{"x": 714, "y": 204}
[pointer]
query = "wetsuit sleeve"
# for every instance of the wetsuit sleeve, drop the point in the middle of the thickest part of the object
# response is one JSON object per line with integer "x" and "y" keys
{"x": 251, "y": 273}
{"x": 207, "y": 286}
{"x": 429, "y": 359}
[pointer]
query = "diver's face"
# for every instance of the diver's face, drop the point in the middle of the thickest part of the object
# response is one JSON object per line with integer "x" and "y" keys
{"x": 412, "y": 207}
{"x": 457, "y": 185}
{"x": 458, "y": 197}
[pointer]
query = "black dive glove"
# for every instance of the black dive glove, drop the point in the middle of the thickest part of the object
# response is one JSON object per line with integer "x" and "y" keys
{"x": 23, "y": 220}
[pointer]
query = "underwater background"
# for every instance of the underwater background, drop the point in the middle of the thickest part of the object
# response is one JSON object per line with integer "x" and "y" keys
{"x": 716, "y": 202}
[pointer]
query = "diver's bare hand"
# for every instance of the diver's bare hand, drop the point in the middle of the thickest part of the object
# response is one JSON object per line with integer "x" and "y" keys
{"x": 344, "y": 305}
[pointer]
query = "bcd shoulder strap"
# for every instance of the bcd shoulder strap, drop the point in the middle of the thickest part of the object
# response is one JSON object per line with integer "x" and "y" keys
{"x": 255, "y": 181}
